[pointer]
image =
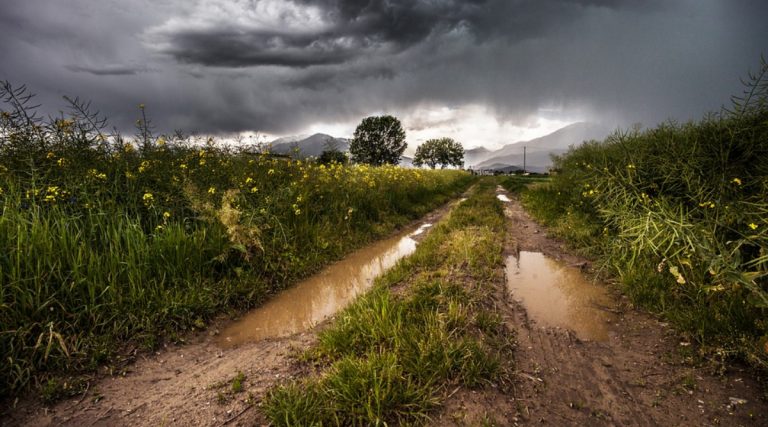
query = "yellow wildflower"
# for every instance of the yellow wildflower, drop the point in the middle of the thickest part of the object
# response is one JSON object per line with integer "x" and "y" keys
{"x": 753, "y": 226}
{"x": 148, "y": 199}
{"x": 736, "y": 181}
{"x": 248, "y": 180}
{"x": 61, "y": 162}
{"x": 254, "y": 189}
{"x": 166, "y": 215}
{"x": 212, "y": 190}
{"x": 271, "y": 172}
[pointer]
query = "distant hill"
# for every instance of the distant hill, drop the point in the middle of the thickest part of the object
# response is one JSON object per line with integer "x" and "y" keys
{"x": 311, "y": 146}
{"x": 476, "y": 155}
{"x": 314, "y": 145}
{"x": 538, "y": 150}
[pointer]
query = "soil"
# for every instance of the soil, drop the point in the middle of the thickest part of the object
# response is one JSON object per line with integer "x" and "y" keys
{"x": 642, "y": 375}
{"x": 189, "y": 384}
{"x": 639, "y": 376}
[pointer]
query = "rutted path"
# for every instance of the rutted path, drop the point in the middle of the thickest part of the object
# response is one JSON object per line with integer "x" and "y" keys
{"x": 188, "y": 385}
{"x": 635, "y": 377}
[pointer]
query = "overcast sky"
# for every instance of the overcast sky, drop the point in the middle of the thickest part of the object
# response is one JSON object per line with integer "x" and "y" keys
{"x": 482, "y": 71}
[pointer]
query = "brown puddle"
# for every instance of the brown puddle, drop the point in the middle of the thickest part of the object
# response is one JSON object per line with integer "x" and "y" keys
{"x": 556, "y": 295}
{"x": 309, "y": 302}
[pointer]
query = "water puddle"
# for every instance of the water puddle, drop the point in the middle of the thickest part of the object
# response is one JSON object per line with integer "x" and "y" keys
{"x": 306, "y": 304}
{"x": 557, "y": 295}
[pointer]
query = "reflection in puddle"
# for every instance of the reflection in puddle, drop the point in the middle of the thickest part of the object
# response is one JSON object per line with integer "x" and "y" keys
{"x": 309, "y": 302}
{"x": 421, "y": 229}
{"x": 503, "y": 197}
{"x": 556, "y": 295}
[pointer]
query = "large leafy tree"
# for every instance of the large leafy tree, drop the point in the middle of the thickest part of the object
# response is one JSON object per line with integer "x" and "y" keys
{"x": 378, "y": 140}
{"x": 440, "y": 151}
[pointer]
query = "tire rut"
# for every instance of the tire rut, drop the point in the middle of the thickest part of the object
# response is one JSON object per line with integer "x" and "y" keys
{"x": 634, "y": 378}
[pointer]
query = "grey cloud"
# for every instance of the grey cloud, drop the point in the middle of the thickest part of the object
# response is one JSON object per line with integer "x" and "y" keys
{"x": 109, "y": 70}
{"x": 375, "y": 27}
{"x": 615, "y": 61}
{"x": 378, "y": 27}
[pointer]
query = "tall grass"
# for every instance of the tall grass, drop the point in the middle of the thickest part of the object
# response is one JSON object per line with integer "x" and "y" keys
{"x": 105, "y": 240}
{"x": 680, "y": 214}
{"x": 394, "y": 356}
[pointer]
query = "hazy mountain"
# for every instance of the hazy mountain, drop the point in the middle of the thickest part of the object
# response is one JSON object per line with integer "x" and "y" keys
{"x": 476, "y": 155}
{"x": 311, "y": 146}
{"x": 538, "y": 150}
{"x": 538, "y": 161}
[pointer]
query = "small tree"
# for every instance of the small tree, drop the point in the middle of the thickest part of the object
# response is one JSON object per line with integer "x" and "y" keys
{"x": 332, "y": 156}
{"x": 441, "y": 151}
{"x": 378, "y": 140}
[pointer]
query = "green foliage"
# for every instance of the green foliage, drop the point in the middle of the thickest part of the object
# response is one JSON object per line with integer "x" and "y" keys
{"x": 391, "y": 355}
{"x": 104, "y": 240}
{"x": 378, "y": 140}
{"x": 328, "y": 157}
{"x": 441, "y": 151}
{"x": 680, "y": 214}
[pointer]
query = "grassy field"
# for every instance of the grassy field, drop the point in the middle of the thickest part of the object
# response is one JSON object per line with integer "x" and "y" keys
{"x": 429, "y": 324}
{"x": 679, "y": 213}
{"x": 105, "y": 241}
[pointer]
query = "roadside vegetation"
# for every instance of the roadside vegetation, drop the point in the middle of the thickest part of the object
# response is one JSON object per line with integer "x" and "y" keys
{"x": 440, "y": 151}
{"x": 429, "y": 325}
{"x": 106, "y": 241}
{"x": 679, "y": 214}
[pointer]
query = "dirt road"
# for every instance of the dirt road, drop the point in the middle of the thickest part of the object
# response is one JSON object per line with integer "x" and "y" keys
{"x": 637, "y": 376}
{"x": 192, "y": 384}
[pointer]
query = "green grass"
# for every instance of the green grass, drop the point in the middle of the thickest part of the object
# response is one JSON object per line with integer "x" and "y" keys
{"x": 429, "y": 324}
{"x": 679, "y": 214}
{"x": 105, "y": 241}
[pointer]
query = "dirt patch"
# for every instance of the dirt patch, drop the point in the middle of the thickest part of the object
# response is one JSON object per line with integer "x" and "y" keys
{"x": 191, "y": 384}
{"x": 638, "y": 376}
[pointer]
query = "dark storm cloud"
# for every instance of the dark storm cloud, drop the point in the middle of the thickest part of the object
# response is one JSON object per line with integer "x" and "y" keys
{"x": 357, "y": 28}
{"x": 277, "y": 66}
{"x": 109, "y": 70}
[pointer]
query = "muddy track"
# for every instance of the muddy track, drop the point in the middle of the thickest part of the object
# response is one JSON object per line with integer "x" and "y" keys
{"x": 186, "y": 385}
{"x": 636, "y": 377}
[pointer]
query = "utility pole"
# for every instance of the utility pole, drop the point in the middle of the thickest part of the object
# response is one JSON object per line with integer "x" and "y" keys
{"x": 524, "y": 149}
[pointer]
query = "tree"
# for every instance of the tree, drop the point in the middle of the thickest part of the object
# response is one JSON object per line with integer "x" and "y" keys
{"x": 378, "y": 140}
{"x": 332, "y": 156}
{"x": 441, "y": 151}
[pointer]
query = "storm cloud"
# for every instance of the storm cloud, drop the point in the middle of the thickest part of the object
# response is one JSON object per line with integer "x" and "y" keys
{"x": 280, "y": 66}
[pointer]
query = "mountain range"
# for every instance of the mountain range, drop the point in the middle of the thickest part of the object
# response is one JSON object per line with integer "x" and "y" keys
{"x": 538, "y": 151}
{"x": 309, "y": 146}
